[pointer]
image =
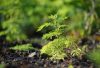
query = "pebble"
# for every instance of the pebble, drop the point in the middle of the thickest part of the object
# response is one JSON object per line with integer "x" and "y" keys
{"x": 32, "y": 54}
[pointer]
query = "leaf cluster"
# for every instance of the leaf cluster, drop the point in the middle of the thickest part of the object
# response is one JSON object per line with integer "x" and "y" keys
{"x": 58, "y": 48}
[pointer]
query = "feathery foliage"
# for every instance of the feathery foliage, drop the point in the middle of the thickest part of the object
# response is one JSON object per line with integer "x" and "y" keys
{"x": 22, "y": 47}
{"x": 58, "y": 48}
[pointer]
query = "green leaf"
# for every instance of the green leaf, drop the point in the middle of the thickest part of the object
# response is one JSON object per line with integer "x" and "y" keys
{"x": 43, "y": 26}
{"x": 51, "y": 34}
{"x": 22, "y": 47}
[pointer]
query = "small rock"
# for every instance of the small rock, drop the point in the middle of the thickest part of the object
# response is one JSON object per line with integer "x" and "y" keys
{"x": 32, "y": 54}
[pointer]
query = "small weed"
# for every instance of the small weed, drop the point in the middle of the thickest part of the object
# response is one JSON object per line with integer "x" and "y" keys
{"x": 23, "y": 47}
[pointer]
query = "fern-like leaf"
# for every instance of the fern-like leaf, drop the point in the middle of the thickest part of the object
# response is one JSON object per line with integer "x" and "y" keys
{"x": 55, "y": 49}
{"x": 51, "y": 34}
{"x": 43, "y": 26}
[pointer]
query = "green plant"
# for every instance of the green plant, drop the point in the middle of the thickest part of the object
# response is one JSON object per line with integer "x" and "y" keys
{"x": 20, "y": 17}
{"x": 55, "y": 49}
{"x": 2, "y": 65}
{"x": 62, "y": 41}
{"x": 80, "y": 23}
{"x": 94, "y": 56}
{"x": 23, "y": 47}
{"x": 13, "y": 31}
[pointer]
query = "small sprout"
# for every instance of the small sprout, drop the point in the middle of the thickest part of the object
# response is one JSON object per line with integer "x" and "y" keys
{"x": 22, "y": 47}
{"x": 55, "y": 48}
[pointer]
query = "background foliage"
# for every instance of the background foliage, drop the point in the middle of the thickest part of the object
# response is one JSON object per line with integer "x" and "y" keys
{"x": 20, "y": 18}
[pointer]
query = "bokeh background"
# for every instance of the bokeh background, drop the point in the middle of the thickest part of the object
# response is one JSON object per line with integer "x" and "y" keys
{"x": 19, "y": 19}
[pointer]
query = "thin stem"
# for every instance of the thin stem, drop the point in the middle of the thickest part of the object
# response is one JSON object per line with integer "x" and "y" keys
{"x": 89, "y": 15}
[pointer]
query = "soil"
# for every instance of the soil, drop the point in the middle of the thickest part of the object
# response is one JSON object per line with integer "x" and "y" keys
{"x": 20, "y": 59}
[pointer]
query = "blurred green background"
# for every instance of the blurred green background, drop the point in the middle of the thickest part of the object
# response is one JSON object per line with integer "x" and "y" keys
{"x": 19, "y": 19}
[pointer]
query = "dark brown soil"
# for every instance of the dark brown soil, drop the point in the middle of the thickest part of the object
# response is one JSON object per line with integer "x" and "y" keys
{"x": 20, "y": 59}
